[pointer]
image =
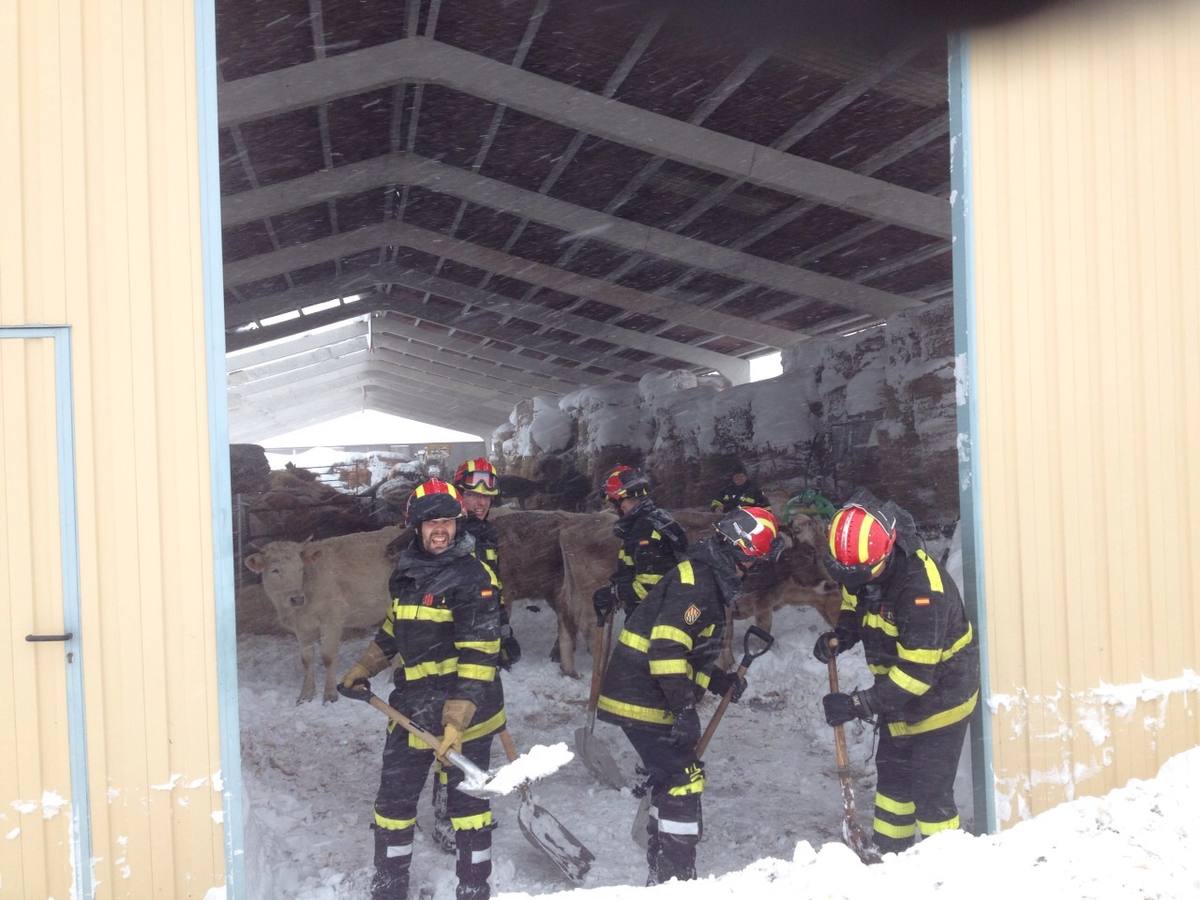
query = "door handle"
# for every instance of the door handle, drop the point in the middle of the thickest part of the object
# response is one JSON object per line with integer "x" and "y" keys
{"x": 37, "y": 638}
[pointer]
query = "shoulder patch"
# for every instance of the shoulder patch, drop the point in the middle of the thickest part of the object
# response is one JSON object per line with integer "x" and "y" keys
{"x": 643, "y": 542}
{"x": 691, "y": 615}
{"x": 486, "y": 592}
{"x": 921, "y": 601}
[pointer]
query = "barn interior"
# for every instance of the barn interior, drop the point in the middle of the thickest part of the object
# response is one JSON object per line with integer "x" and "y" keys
{"x": 442, "y": 209}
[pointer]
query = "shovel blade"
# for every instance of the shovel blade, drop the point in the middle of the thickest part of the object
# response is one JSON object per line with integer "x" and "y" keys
{"x": 550, "y": 836}
{"x": 641, "y": 820}
{"x": 598, "y": 759}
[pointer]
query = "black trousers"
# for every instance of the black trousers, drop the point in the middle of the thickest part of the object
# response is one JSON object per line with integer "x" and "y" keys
{"x": 676, "y": 780}
{"x": 406, "y": 763}
{"x": 915, "y": 788}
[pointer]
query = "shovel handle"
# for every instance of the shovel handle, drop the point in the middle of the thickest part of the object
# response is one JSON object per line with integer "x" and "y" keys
{"x": 452, "y": 756}
{"x": 510, "y": 747}
{"x": 839, "y": 733}
{"x": 747, "y": 658}
{"x": 601, "y": 641}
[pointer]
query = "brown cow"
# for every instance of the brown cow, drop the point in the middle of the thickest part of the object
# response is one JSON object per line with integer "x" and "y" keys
{"x": 320, "y": 588}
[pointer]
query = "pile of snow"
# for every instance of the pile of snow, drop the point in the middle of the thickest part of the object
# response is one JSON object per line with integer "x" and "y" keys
{"x": 538, "y": 762}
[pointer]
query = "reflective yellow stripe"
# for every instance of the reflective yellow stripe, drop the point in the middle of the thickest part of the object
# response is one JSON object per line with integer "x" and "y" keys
{"x": 928, "y": 828}
{"x": 471, "y": 823}
{"x": 490, "y": 553}
{"x": 480, "y": 729}
{"x": 686, "y": 574}
{"x": 895, "y": 807}
{"x": 640, "y": 590}
{"x": 670, "y": 667}
{"x": 387, "y": 627}
{"x": 702, "y": 679}
{"x": 874, "y": 620}
{"x": 636, "y": 641}
{"x": 692, "y": 787}
{"x": 409, "y": 612}
{"x": 393, "y": 824}
{"x": 878, "y": 670}
{"x": 937, "y": 720}
{"x": 647, "y": 578}
{"x": 926, "y": 657}
{"x": 633, "y": 711}
{"x": 671, "y": 633}
{"x": 708, "y": 632}
{"x": 430, "y": 669}
{"x": 655, "y": 536}
{"x": 481, "y": 646}
{"x": 624, "y": 557}
{"x": 931, "y": 571}
{"x": 492, "y": 576}
{"x": 887, "y": 829}
{"x": 477, "y": 673}
{"x": 960, "y": 643}
{"x": 849, "y": 600}
{"x": 905, "y": 681}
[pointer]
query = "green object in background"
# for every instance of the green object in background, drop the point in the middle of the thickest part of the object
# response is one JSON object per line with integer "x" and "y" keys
{"x": 811, "y": 503}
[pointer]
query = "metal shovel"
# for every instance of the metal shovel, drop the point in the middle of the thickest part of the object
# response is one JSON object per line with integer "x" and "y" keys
{"x": 545, "y": 832}
{"x": 852, "y": 832}
{"x": 477, "y": 783}
{"x": 639, "y": 831}
{"x": 596, "y": 756}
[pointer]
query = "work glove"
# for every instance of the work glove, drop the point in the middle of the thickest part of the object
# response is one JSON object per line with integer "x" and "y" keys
{"x": 685, "y": 733}
{"x": 841, "y": 708}
{"x": 356, "y": 683}
{"x": 510, "y": 650}
{"x": 845, "y": 640}
{"x": 719, "y": 682}
{"x": 717, "y": 506}
{"x": 456, "y": 716}
{"x": 604, "y": 601}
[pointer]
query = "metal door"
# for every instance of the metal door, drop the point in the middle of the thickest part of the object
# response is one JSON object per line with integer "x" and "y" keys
{"x": 44, "y": 824}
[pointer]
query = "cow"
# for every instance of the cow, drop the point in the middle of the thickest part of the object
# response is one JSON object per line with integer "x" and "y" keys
{"x": 320, "y": 588}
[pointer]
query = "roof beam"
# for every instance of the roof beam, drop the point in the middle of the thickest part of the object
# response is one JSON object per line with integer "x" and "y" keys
{"x": 419, "y": 59}
{"x": 736, "y": 370}
{"x": 487, "y": 373}
{"x": 406, "y": 168}
{"x": 295, "y": 361}
{"x": 347, "y": 331}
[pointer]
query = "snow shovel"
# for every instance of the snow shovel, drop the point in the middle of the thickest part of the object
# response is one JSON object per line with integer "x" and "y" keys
{"x": 596, "y": 756}
{"x": 852, "y": 832}
{"x": 544, "y": 831}
{"x": 478, "y": 783}
{"x": 639, "y": 832}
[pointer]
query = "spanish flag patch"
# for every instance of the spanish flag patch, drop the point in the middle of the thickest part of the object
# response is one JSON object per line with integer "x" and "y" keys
{"x": 921, "y": 601}
{"x": 485, "y": 593}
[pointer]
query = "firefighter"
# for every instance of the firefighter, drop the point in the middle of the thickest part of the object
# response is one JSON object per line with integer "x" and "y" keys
{"x": 740, "y": 491}
{"x": 925, "y": 657}
{"x": 651, "y": 543}
{"x": 443, "y": 629}
{"x": 664, "y": 659}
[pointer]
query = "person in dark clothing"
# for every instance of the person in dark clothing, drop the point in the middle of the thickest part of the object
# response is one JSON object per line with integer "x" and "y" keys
{"x": 651, "y": 543}
{"x": 740, "y": 491}
{"x": 664, "y": 659}
{"x": 443, "y": 629}
{"x": 925, "y": 657}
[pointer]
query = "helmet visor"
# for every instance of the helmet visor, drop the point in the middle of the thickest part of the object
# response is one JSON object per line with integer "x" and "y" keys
{"x": 480, "y": 478}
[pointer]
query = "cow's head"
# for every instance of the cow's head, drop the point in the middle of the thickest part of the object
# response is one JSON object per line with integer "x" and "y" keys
{"x": 804, "y": 558}
{"x": 281, "y": 564}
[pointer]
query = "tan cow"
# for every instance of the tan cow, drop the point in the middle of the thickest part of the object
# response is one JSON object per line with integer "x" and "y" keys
{"x": 321, "y": 588}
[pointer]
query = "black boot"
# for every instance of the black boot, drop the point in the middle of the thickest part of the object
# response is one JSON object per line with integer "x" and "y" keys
{"x": 443, "y": 831}
{"x": 474, "y": 865}
{"x": 393, "y": 860}
{"x": 653, "y": 853}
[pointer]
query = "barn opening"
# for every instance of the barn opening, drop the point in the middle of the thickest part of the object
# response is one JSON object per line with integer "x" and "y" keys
{"x": 570, "y": 234}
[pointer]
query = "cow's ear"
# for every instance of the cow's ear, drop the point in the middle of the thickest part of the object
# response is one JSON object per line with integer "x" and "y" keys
{"x": 254, "y": 562}
{"x": 309, "y": 554}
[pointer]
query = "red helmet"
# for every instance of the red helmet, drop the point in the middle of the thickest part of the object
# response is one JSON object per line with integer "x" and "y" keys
{"x": 625, "y": 482}
{"x": 860, "y": 543}
{"x": 432, "y": 499}
{"x": 753, "y": 530}
{"x": 478, "y": 475}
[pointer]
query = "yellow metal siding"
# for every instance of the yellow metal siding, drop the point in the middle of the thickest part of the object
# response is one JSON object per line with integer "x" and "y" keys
{"x": 1086, "y": 196}
{"x": 100, "y": 231}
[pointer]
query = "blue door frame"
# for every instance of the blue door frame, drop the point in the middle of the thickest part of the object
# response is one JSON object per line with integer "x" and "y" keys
{"x": 68, "y": 536}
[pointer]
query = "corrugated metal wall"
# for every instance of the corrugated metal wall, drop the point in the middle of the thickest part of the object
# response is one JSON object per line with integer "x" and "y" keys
{"x": 99, "y": 230}
{"x": 1085, "y": 132}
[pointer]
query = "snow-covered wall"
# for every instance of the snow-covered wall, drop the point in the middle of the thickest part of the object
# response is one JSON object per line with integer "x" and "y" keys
{"x": 875, "y": 409}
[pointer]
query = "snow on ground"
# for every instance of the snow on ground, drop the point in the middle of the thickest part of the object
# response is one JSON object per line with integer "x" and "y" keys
{"x": 771, "y": 808}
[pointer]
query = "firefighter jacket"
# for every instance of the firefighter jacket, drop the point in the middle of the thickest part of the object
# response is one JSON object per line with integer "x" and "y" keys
{"x": 918, "y": 642}
{"x": 651, "y": 544}
{"x": 443, "y": 632}
{"x": 749, "y": 494}
{"x": 670, "y": 644}
{"x": 487, "y": 548}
